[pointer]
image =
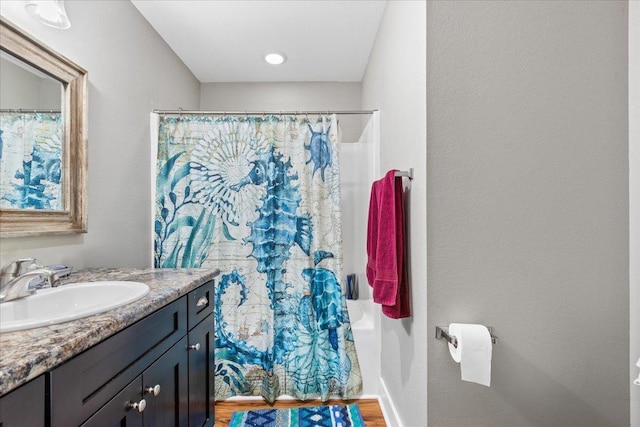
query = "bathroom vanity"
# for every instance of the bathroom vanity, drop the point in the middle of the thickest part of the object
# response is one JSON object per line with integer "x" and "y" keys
{"x": 148, "y": 363}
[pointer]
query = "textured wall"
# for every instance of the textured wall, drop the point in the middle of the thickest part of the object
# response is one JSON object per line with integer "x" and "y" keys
{"x": 131, "y": 72}
{"x": 288, "y": 96}
{"x": 395, "y": 82}
{"x": 634, "y": 201}
{"x": 296, "y": 96}
{"x": 22, "y": 89}
{"x": 528, "y": 209}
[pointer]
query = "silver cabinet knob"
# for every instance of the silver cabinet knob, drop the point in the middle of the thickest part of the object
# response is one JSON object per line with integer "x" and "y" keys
{"x": 202, "y": 302}
{"x": 195, "y": 346}
{"x": 155, "y": 390}
{"x": 138, "y": 405}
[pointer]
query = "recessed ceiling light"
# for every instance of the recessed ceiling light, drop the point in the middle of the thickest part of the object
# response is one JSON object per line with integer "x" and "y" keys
{"x": 275, "y": 58}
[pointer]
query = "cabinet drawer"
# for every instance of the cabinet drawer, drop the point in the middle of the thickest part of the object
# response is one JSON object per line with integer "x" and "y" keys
{"x": 85, "y": 383}
{"x": 200, "y": 303}
{"x": 24, "y": 406}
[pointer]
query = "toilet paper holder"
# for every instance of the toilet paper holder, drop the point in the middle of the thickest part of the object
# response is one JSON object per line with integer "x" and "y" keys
{"x": 442, "y": 333}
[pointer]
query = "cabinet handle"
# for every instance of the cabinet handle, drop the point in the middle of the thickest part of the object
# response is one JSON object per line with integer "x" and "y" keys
{"x": 138, "y": 405}
{"x": 202, "y": 302}
{"x": 155, "y": 390}
{"x": 195, "y": 346}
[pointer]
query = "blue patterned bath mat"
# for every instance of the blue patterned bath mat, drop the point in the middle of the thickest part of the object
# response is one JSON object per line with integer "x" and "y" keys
{"x": 310, "y": 416}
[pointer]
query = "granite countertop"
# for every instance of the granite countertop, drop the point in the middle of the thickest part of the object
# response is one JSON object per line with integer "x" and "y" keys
{"x": 28, "y": 353}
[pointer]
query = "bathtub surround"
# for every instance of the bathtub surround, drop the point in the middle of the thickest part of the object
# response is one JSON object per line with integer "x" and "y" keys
{"x": 366, "y": 326}
{"x": 358, "y": 169}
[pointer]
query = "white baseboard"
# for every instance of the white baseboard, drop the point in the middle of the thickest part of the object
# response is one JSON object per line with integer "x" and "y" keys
{"x": 389, "y": 411}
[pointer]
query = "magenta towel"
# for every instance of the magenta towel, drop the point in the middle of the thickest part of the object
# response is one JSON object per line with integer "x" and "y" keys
{"x": 386, "y": 247}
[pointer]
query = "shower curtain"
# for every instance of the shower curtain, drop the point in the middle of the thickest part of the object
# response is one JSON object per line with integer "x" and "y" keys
{"x": 259, "y": 198}
{"x": 31, "y": 160}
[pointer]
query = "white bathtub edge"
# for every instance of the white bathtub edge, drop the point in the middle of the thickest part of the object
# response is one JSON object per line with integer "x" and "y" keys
{"x": 363, "y": 318}
{"x": 389, "y": 411}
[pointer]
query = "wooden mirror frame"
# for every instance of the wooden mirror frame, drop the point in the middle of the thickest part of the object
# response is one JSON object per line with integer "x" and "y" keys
{"x": 73, "y": 218}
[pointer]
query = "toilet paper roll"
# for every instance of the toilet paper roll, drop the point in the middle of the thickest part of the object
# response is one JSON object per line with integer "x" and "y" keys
{"x": 473, "y": 352}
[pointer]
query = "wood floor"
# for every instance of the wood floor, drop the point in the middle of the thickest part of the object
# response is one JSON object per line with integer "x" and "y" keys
{"x": 369, "y": 408}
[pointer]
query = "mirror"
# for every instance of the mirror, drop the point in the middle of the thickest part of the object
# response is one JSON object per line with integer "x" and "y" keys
{"x": 43, "y": 138}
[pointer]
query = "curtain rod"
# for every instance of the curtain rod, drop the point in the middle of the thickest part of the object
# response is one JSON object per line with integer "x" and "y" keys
{"x": 24, "y": 110}
{"x": 264, "y": 113}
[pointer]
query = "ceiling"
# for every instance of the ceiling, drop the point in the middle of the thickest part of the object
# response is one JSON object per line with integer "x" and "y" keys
{"x": 225, "y": 41}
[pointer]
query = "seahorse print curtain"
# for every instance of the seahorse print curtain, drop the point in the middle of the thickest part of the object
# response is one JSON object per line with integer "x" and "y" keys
{"x": 259, "y": 198}
{"x": 31, "y": 160}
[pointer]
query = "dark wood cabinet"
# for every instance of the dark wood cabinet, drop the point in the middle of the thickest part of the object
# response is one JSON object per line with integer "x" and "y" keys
{"x": 159, "y": 397}
{"x": 157, "y": 372}
{"x": 123, "y": 410}
{"x": 200, "y": 304}
{"x": 201, "y": 374}
{"x": 165, "y": 389}
{"x": 24, "y": 406}
{"x": 84, "y": 384}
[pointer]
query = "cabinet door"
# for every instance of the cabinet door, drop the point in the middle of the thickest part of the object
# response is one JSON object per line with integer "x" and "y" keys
{"x": 124, "y": 410}
{"x": 84, "y": 384}
{"x": 201, "y": 374}
{"x": 24, "y": 406}
{"x": 165, "y": 389}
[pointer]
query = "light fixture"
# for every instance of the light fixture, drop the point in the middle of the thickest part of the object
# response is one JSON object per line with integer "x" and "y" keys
{"x": 275, "y": 58}
{"x": 49, "y": 12}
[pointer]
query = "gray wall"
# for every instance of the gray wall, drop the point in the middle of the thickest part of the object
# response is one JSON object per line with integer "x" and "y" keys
{"x": 634, "y": 202}
{"x": 131, "y": 72}
{"x": 288, "y": 96}
{"x": 279, "y": 96}
{"x": 22, "y": 89}
{"x": 528, "y": 209}
{"x": 395, "y": 82}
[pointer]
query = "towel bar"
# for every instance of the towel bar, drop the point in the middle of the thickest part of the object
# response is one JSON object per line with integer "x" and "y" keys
{"x": 442, "y": 333}
{"x": 408, "y": 174}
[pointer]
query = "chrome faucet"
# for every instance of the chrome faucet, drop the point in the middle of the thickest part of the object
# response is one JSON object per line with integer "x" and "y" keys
{"x": 13, "y": 270}
{"x": 14, "y": 282}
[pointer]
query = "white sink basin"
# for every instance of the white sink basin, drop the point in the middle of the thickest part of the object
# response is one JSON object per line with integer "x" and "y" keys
{"x": 68, "y": 302}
